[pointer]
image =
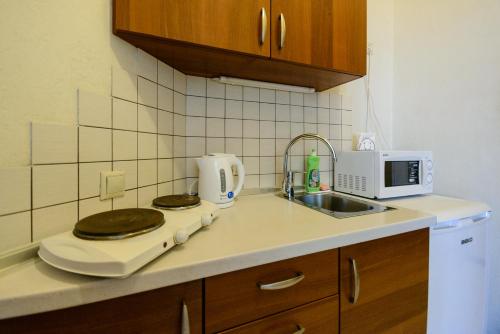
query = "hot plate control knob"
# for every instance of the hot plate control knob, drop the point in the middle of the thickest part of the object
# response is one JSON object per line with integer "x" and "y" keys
{"x": 181, "y": 236}
{"x": 206, "y": 219}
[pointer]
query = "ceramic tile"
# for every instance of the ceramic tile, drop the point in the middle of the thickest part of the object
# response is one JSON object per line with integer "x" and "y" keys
{"x": 146, "y": 195}
{"x": 179, "y": 82}
{"x": 310, "y": 100}
{"x": 323, "y": 116}
{"x": 54, "y": 184}
{"x": 130, "y": 169}
{"x": 94, "y": 109}
{"x": 267, "y": 129}
{"x": 310, "y": 128}
{"x": 297, "y": 99}
{"x": 165, "y": 189}
{"x": 267, "y": 165}
{"x": 251, "y": 94}
{"x": 215, "y": 127}
{"x": 267, "y": 147}
{"x": 335, "y": 131}
{"x": 251, "y": 129}
{"x": 310, "y": 115}
{"x": 296, "y": 113}
{"x": 215, "y": 145}
{"x": 179, "y": 125}
{"x": 147, "y": 65}
{"x": 179, "y": 147}
{"x": 234, "y": 109}
{"x": 165, "y": 146}
{"x": 54, "y": 220}
{"x": 310, "y": 145}
{"x": 251, "y": 165}
{"x": 251, "y": 110}
{"x": 324, "y": 130}
{"x": 191, "y": 167}
{"x": 346, "y": 117}
{"x": 324, "y": 99}
{"x": 267, "y": 112}
{"x": 335, "y": 116}
{"x": 124, "y": 84}
{"x": 234, "y": 127}
{"x": 124, "y": 145}
{"x": 147, "y": 92}
{"x": 282, "y": 112}
{"x": 179, "y": 103}
{"x": 165, "y": 170}
{"x": 196, "y": 86}
{"x": 282, "y": 97}
{"x": 283, "y": 130}
{"x": 15, "y": 189}
{"x": 281, "y": 145}
{"x": 90, "y": 178}
{"x": 165, "y": 122}
{"x": 251, "y": 182}
{"x": 94, "y": 144}
{"x": 147, "y": 146}
{"x": 196, "y": 106}
{"x": 267, "y": 181}
{"x": 165, "y": 75}
{"x": 180, "y": 187}
{"x": 251, "y": 147}
{"x": 234, "y": 92}
{"x": 124, "y": 115}
{"x": 179, "y": 168}
{"x": 335, "y": 101}
{"x": 234, "y": 146}
{"x": 147, "y": 119}
{"x": 53, "y": 143}
{"x": 129, "y": 200}
{"x": 165, "y": 98}
{"x": 195, "y": 146}
{"x": 346, "y": 132}
{"x": 91, "y": 206}
{"x": 195, "y": 126}
{"x": 296, "y": 129}
{"x": 147, "y": 172}
{"x": 215, "y": 108}
{"x": 15, "y": 231}
{"x": 215, "y": 89}
{"x": 267, "y": 95}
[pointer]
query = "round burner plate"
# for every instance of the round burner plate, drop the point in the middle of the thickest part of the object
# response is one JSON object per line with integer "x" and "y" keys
{"x": 177, "y": 202}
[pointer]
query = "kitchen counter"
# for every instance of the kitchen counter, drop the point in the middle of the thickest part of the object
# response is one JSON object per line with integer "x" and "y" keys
{"x": 258, "y": 229}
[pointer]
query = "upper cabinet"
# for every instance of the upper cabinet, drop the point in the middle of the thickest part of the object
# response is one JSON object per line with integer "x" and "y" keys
{"x": 329, "y": 34}
{"x": 312, "y": 43}
{"x": 233, "y": 25}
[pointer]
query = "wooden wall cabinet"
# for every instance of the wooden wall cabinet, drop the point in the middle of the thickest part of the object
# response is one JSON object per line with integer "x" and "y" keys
{"x": 313, "y": 43}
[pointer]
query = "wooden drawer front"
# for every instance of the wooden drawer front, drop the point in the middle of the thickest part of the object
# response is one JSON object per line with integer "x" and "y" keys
{"x": 317, "y": 317}
{"x": 235, "y": 298}
{"x": 155, "y": 311}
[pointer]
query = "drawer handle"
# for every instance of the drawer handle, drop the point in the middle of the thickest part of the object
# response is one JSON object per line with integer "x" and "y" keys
{"x": 282, "y": 284}
{"x": 355, "y": 281}
{"x": 185, "y": 319}
{"x": 282, "y": 30}
{"x": 263, "y": 25}
{"x": 300, "y": 330}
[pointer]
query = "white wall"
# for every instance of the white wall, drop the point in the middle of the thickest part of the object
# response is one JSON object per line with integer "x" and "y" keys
{"x": 381, "y": 41}
{"x": 447, "y": 99}
{"x": 49, "y": 49}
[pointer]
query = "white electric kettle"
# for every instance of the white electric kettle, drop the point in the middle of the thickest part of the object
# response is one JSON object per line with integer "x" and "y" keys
{"x": 215, "y": 182}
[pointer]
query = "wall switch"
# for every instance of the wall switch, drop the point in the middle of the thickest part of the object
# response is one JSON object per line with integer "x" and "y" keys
{"x": 112, "y": 184}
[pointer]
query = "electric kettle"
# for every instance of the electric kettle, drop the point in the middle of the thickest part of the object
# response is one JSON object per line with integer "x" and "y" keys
{"x": 215, "y": 182}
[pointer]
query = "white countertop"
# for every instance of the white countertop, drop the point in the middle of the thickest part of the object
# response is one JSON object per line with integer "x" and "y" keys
{"x": 258, "y": 229}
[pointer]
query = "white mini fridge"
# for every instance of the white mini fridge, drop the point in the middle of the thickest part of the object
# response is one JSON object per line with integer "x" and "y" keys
{"x": 457, "y": 263}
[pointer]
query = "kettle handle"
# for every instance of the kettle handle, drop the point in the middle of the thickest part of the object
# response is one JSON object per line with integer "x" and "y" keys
{"x": 241, "y": 174}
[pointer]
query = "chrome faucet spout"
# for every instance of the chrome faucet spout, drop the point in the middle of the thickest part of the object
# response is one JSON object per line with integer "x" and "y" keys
{"x": 287, "y": 187}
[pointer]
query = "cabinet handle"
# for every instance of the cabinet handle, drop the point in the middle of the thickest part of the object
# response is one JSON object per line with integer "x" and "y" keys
{"x": 263, "y": 25}
{"x": 282, "y": 284}
{"x": 300, "y": 330}
{"x": 185, "y": 319}
{"x": 282, "y": 30}
{"x": 355, "y": 281}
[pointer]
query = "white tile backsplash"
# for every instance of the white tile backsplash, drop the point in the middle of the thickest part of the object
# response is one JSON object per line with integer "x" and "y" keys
{"x": 165, "y": 75}
{"x": 165, "y": 98}
{"x": 54, "y": 184}
{"x": 147, "y": 92}
{"x": 147, "y": 65}
{"x": 147, "y": 172}
{"x": 124, "y": 145}
{"x": 94, "y": 109}
{"x": 90, "y": 206}
{"x": 147, "y": 119}
{"x": 124, "y": 84}
{"x": 196, "y": 86}
{"x": 15, "y": 189}
{"x": 90, "y": 178}
{"x": 15, "y": 230}
{"x": 147, "y": 146}
{"x": 94, "y": 144}
{"x": 124, "y": 115}
{"x": 215, "y": 89}
{"x": 53, "y": 143}
{"x": 250, "y": 147}
{"x": 196, "y": 106}
{"x": 54, "y": 219}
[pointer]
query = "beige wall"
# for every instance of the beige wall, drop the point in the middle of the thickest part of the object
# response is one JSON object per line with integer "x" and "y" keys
{"x": 49, "y": 49}
{"x": 447, "y": 99}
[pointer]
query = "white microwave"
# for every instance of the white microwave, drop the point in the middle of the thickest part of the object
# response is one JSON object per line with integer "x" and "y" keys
{"x": 384, "y": 174}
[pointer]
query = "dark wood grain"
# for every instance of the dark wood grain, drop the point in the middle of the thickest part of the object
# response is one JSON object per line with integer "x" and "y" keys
{"x": 393, "y": 290}
{"x": 325, "y": 33}
{"x": 156, "y": 311}
{"x": 235, "y": 298}
{"x": 317, "y": 317}
{"x": 225, "y": 24}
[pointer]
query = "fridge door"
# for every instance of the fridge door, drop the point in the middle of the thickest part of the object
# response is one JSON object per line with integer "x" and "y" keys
{"x": 457, "y": 277}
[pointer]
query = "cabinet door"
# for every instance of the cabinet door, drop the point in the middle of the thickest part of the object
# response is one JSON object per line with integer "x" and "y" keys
{"x": 322, "y": 33}
{"x": 393, "y": 275}
{"x": 317, "y": 317}
{"x": 155, "y": 311}
{"x": 225, "y": 24}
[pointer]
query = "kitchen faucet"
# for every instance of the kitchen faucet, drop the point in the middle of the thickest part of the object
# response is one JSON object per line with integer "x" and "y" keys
{"x": 287, "y": 187}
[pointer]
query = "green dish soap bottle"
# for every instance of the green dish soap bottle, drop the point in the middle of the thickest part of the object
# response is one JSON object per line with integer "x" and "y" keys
{"x": 312, "y": 173}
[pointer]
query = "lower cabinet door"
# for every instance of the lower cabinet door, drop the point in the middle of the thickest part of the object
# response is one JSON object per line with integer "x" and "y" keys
{"x": 317, "y": 317}
{"x": 384, "y": 285}
{"x": 155, "y": 311}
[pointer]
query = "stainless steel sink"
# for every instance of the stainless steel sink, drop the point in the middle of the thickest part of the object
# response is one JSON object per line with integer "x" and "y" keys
{"x": 338, "y": 206}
